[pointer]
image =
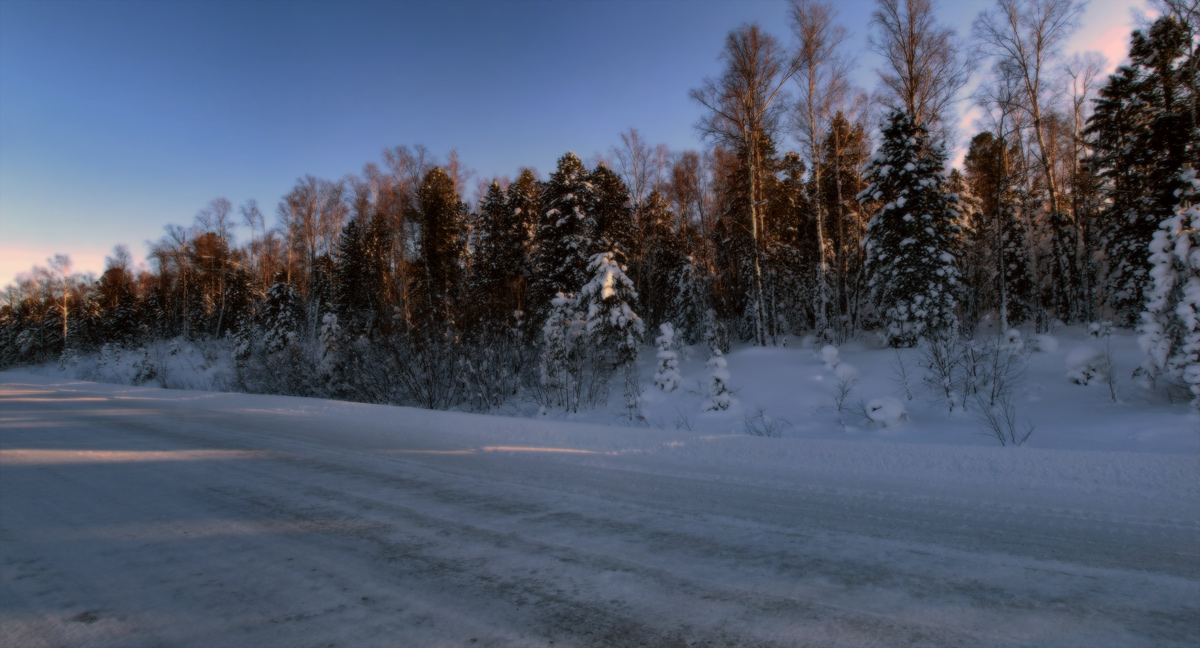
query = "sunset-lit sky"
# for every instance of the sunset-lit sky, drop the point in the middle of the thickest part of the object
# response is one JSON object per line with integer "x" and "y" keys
{"x": 117, "y": 118}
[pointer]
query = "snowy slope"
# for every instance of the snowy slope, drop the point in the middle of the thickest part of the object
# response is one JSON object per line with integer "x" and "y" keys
{"x": 138, "y": 516}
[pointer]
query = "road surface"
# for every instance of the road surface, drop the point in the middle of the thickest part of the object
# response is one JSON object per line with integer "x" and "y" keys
{"x": 150, "y": 518}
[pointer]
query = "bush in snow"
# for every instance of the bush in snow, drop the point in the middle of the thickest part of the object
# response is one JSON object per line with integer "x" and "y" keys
{"x": 667, "y": 377}
{"x": 1085, "y": 363}
{"x": 847, "y": 380}
{"x": 758, "y": 423}
{"x": 1013, "y": 341}
{"x": 1170, "y": 329}
{"x": 1045, "y": 343}
{"x": 1100, "y": 329}
{"x": 829, "y": 355}
{"x": 719, "y": 396}
{"x": 887, "y": 411}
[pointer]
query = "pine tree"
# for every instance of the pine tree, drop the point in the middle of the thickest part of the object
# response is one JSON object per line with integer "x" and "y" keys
{"x": 282, "y": 317}
{"x": 563, "y": 240}
{"x": 912, "y": 268}
{"x": 614, "y": 330}
{"x": 667, "y": 377}
{"x": 499, "y": 266}
{"x": 661, "y": 260}
{"x": 614, "y": 229}
{"x": 352, "y": 295}
{"x": 438, "y": 277}
{"x": 561, "y": 365}
{"x": 1141, "y": 135}
{"x": 1170, "y": 330}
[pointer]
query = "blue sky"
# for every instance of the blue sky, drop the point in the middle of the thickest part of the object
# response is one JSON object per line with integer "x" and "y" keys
{"x": 117, "y": 118}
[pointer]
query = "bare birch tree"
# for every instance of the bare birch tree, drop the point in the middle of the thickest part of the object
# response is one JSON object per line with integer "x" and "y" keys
{"x": 1025, "y": 36}
{"x": 822, "y": 80}
{"x": 743, "y": 108}
{"x": 924, "y": 64}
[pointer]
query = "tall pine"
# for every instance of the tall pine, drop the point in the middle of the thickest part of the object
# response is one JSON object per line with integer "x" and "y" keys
{"x": 911, "y": 241}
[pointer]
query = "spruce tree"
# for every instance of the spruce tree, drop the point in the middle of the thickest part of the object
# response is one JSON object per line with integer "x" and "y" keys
{"x": 352, "y": 298}
{"x": 662, "y": 257}
{"x": 1142, "y": 134}
{"x": 282, "y": 317}
{"x": 612, "y": 215}
{"x": 564, "y": 234}
{"x": 911, "y": 264}
{"x": 438, "y": 276}
{"x": 614, "y": 330}
{"x": 1170, "y": 330}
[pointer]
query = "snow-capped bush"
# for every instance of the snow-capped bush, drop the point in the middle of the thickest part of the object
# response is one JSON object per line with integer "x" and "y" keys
{"x": 1085, "y": 363}
{"x": 1013, "y": 341}
{"x": 1100, "y": 329}
{"x": 718, "y": 389}
{"x": 887, "y": 411}
{"x": 845, "y": 371}
{"x": 1045, "y": 343}
{"x": 667, "y": 377}
{"x": 829, "y": 355}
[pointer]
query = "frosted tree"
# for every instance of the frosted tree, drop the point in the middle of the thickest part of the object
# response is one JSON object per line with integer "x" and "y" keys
{"x": 563, "y": 239}
{"x": 613, "y": 328}
{"x": 331, "y": 360}
{"x": 282, "y": 316}
{"x": 911, "y": 241}
{"x": 560, "y": 369}
{"x": 719, "y": 396}
{"x": 667, "y": 377}
{"x": 1170, "y": 330}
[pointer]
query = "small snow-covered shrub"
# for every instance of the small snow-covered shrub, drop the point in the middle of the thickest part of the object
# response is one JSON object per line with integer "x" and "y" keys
{"x": 719, "y": 397}
{"x": 757, "y": 423}
{"x": 1085, "y": 363}
{"x": 845, "y": 371}
{"x": 1100, "y": 329}
{"x": 887, "y": 411}
{"x": 1045, "y": 343}
{"x": 847, "y": 380}
{"x": 1013, "y": 341}
{"x": 667, "y": 377}
{"x": 829, "y": 355}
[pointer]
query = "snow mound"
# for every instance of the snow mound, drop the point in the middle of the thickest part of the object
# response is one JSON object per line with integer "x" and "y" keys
{"x": 845, "y": 371}
{"x": 1045, "y": 343}
{"x": 887, "y": 411}
{"x": 829, "y": 355}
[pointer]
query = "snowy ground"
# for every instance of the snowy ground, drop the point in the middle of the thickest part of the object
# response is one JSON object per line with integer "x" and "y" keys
{"x": 135, "y": 516}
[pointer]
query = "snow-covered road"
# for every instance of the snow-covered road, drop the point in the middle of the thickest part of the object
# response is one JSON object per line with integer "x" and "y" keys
{"x": 140, "y": 517}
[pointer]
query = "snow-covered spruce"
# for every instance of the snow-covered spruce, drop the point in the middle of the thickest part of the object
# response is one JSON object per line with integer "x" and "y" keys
{"x": 719, "y": 397}
{"x": 1170, "y": 330}
{"x": 588, "y": 337}
{"x": 282, "y": 316}
{"x": 667, "y": 377}
{"x": 911, "y": 243}
{"x": 559, "y": 365}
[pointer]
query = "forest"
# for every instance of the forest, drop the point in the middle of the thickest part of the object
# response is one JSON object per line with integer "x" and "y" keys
{"x": 817, "y": 208}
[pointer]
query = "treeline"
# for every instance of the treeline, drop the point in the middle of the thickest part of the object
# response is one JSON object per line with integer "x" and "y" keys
{"x": 392, "y": 286}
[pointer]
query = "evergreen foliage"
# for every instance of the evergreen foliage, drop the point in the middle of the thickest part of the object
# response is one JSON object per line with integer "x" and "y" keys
{"x": 563, "y": 243}
{"x": 1142, "y": 134}
{"x": 911, "y": 241}
{"x": 1170, "y": 329}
